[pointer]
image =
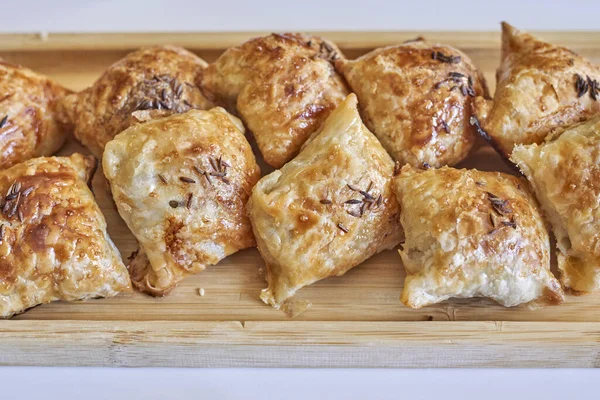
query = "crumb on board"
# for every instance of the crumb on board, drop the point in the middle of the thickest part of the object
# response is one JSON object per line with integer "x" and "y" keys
{"x": 201, "y": 292}
{"x": 43, "y": 36}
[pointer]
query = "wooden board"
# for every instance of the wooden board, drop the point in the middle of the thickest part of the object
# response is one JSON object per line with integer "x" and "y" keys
{"x": 354, "y": 321}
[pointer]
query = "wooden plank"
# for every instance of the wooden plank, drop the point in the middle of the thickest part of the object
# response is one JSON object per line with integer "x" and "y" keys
{"x": 354, "y": 320}
{"x": 300, "y": 344}
{"x": 117, "y": 41}
{"x": 223, "y": 40}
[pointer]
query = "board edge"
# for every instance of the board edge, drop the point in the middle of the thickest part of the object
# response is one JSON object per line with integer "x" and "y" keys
{"x": 299, "y": 344}
{"x": 221, "y": 40}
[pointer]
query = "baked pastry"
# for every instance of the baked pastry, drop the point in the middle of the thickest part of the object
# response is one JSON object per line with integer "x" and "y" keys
{"x": 147, "y": 83}
{"x": 416, "y": 98}
{"x": 283, "y": 86}
{"x": 565, "y": 175}
{"x": 181, "y": 183}
{"x": 28, "y": 120}
{"x": 327, "y": 210}
{"x": 472, "y": 234}
{"x": 542, "y": 88}
{"x": 53, "y": 240}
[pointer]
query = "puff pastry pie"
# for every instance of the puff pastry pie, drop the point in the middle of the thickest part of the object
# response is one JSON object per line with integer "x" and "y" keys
{"x": 150, "y": 82}
{"x": 53, "y": 240}
{"x": 283, "y": 86}
{"x": 542, "y": 88}
{"x": 472, "y": 234}
{"x": 416, "y": 98}
{"x": 328, "y": 209}
{"x": 565, "y": 175}
{"x": 181, "y": 183}
{"x": 29, "y": 126}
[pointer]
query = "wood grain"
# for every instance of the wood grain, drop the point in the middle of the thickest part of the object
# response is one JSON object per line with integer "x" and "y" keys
{"x": 222, "y": 40}
{"x": 354, "y": 320}
{"x": 300, "y": 344}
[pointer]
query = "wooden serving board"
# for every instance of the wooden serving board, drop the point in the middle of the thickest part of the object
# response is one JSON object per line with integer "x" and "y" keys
{"x": 355, "y": 320}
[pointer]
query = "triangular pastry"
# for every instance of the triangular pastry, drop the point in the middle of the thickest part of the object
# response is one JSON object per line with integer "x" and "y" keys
{"x": 541, "y": 89}
{"x": 416, "y": 98}
{"x": 283, "y": 86}
{"x": 150, "y": 82}
{"x": 472, "y": 234}
{"x": 181, "y": 183}
{"x": 327, "y": 210}
{"x": 29, "y": 123}
{"x": 565, "y": 175}
{"x": 53, "y": 240}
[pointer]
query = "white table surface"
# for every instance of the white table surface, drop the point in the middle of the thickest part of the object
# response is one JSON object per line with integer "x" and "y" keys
{"x": 300, "y": 15}
{"x": 296, "y": 384}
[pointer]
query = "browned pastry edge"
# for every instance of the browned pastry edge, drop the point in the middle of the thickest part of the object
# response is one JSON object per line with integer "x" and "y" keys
{"x": 137, "y": 265}
{"x": 474, "y": 121}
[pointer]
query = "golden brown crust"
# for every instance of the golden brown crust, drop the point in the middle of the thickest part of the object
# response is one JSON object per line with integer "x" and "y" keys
{"x": 53, "y": 241}
{"x": 565, "y": 174}
{"x": 416, "y": 98}
{"x": 158, "y": 79}
{"x": 537, "y": 92}
{"x": 472, "y": 234}
{"x": 328, "y": 209}
{"x": 283, "y": 86}
{"x": 28, "y": 121}
{"x": 144, "y": 277}
{"x": 181, "y": 183}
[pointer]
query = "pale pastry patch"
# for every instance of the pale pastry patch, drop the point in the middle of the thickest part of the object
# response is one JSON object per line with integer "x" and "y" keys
{"x": 327, "y": 210}
{"x": 180, "y": 183}
{"x": 472, "y": 234}
{"x": 565, "y": 175}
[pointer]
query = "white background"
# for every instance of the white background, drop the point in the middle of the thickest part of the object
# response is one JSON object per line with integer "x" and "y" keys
{"x": 302, "y": 15}
{"x": 290, "y": 384}
{"x": 281, "y": 15}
